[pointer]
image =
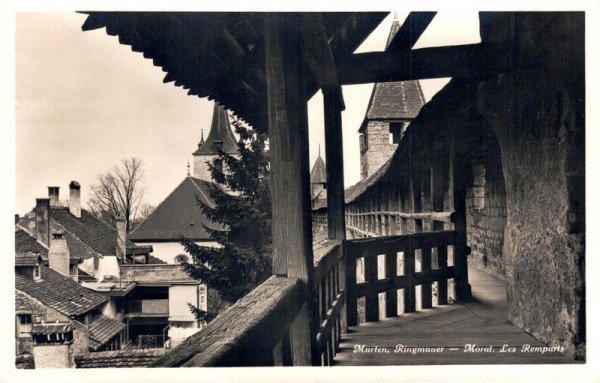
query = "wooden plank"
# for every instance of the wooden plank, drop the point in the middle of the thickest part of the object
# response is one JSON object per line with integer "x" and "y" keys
{"x": 330, "y": 318}
{"x": 231, "y": 338}
{"x": 290, "y": 179}
{"x": 317, "y": 52}
{"x": 328, "y": 261}
{"x": 367, "y": 247}
{"x": 462, "y": 61}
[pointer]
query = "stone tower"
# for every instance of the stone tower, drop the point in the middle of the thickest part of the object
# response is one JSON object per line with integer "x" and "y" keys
{"x": 391, "y": 108}
{"x": 219, "y": 136}
{"x": 318, "y": 178}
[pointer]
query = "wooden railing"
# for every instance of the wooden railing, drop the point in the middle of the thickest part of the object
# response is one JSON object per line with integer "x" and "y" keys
{"x": 330, "y": 282}
{"x": 148, "y": 306}
{"x": 394, "y": 249}
{"x": 256, "y": 330}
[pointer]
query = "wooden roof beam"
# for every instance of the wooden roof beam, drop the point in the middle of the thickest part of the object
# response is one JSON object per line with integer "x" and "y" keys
{"x": 463, "y": 61}
{"x": 319, "y": 57}
{"x": 411, "y": 30}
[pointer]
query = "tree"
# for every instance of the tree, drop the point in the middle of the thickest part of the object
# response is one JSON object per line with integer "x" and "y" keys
{"x": 119, "y": 192}
{"x": 244, "y": 259}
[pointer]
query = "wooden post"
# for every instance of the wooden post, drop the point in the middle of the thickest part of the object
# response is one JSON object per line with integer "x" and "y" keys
{"x": 371, "y": 298}
{"x": 458, "y": 180}
{"x": 391, "y": 296}
{"x": 290, "y": 179}
{"x": 440, "y": 259}
{"x": 334, "y": 156}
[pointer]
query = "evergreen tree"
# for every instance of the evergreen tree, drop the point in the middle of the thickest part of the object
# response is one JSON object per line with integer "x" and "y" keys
{"x": 244, "y": 260}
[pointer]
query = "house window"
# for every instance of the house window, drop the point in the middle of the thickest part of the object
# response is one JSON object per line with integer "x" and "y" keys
{"x": 25, "y": 324}
{"x": 37, "y": 273}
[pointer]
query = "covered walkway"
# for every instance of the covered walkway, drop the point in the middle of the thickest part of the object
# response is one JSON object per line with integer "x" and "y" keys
{"x": 481, "y": 323}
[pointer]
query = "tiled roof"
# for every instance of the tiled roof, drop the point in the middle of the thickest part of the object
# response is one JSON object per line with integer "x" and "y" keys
{"x": 95, "y": 233}
{"x": 318, "y": 174}
{"x": 157, "y": 274}
{"x": 354, "y": 191}
{"x": 102, "y": 329}
{"x": 179, "y": 214}
{"x": 51, "y": 328}
{"x": 87, "y": 236}
{"x": 398, "y": 100}
{"x": 395, "y": 100}
{"x": 59, "y": 292}
{"x": 27, "y": 259}
{"x": 120, "y": 358}
{"x": 25, "y": 242}
{"x": 220, "y": 132}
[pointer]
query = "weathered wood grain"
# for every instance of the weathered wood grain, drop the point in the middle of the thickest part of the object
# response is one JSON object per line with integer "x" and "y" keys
{"x": 244, "y": 334}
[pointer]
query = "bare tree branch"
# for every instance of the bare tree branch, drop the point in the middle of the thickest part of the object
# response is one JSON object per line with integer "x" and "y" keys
{"x": 119, "y": 192}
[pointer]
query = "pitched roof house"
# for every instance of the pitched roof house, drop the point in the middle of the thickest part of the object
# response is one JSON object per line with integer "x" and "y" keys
{"x": 180, "y": 214}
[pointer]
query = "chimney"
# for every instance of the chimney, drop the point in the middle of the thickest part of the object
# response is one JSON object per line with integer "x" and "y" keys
{"x": 53, "y": 192}
{"x": 42, "y": 220}
{"x": 58, "y": 255}
{"x": 121, "y": 238}
{"x": 75, "y": 199}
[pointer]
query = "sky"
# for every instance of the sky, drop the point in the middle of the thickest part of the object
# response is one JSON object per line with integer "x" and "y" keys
{"x": 84, "y": 102}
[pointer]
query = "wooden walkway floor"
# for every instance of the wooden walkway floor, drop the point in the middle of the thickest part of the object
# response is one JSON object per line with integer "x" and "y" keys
{"x": 451, "y": 329}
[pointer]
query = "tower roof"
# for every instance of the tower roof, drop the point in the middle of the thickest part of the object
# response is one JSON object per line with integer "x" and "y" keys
{"x": 220, "y": 135}
{"x": 318, "y": 174}
{"x": 398, "y": 100}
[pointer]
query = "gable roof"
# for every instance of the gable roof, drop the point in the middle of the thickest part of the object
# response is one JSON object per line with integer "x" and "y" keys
{"x": 400, "y": 100}
{"x": 318, "y": 174}
{"x": 179, "y": 214}
{"x": 220, "y": 133}
{"x": 26, "y": 243}
{"x": 59, "y": 292}
{"x": 102, "y": 329}
{"x": 27, "y": 259}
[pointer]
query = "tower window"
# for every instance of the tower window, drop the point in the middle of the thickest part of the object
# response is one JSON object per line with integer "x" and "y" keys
{"x": 364, "y": 142}
{"x": 397, "y": 130}
{"x": 218, "y": 164}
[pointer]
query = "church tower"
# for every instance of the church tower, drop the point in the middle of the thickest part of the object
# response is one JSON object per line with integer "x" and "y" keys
{"x": 318, "y": 178}
{"x": 392, "y": 106}
{"x": 219, "y": 136}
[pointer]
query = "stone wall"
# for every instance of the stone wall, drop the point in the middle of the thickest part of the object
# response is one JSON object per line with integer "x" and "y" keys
{"x": 53, "y": 356}
{"x": 537, "y": 115}
{"x": 379, "y": 148}
{"x": 486, "y": 212}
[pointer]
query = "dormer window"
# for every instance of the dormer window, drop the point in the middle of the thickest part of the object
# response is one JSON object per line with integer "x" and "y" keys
{"x": 37, "y": 272}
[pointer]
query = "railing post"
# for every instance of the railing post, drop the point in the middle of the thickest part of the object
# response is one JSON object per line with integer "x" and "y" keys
{"x": 391, "y": 296}
{"x": 351, "y": 309}
{"x": 409, "y": 270}
{"x": 290, "y": 179}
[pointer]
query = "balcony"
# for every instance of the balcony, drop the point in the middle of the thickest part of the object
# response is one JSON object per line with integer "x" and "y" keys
{"x": 157, "y": 307}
